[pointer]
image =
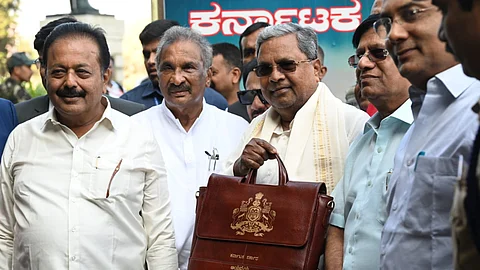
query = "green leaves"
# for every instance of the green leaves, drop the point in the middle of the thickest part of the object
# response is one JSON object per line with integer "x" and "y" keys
{"x": 8, "y": 15}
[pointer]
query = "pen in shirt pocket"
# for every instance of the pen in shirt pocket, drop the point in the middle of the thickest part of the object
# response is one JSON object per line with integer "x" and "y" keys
{"x": 96, "y": 162}
{"x": 387, "y": 179}
{"x": 420, "y": 154}
{"x": 460, "y": 167}
{"x": 214, "y": 156}
{"x": 113, "y": 175}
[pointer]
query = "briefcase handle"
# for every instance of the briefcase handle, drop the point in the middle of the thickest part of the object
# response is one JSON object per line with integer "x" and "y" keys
{"x": 251, "y": 177}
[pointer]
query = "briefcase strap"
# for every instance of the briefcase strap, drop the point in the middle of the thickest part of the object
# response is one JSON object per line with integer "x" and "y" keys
{"x": 251, "y": 177}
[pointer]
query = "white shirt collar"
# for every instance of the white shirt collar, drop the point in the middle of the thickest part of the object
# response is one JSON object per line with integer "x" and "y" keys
{"x": 171, "y": 117}
{"x": 51, "y": 116}
{"x": 455, "y": 80}
{"x": 402, "y": 113}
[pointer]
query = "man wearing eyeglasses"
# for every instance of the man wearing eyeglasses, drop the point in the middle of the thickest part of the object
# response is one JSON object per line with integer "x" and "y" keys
{"x": 306, "y": 125}
{"x": 252, "y": 97}
{"x": 246, "y": 44}
{"x": 254, "y": 100}
{"x": 460, "y": 28}
{"x": 432, "y": 154}
{"x": 353, "y": 240}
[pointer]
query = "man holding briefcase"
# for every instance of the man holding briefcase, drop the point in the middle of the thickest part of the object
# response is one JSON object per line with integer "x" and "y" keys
{"x": 241, "y": 225}
{"x": 307, "y": 126}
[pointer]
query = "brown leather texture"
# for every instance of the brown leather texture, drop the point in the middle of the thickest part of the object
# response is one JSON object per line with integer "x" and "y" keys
{"x": 241, "y": 225}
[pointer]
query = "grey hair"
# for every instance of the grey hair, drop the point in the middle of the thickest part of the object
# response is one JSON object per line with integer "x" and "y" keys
{"x": 306, "y": 37}
{"x": 179, "y": 33}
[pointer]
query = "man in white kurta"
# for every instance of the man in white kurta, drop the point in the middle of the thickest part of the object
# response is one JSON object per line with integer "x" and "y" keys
{"x": 83, "y": 186}
{"x": 196, "y": 138}
{"x": 306, "y": 125}
{"x": 310, "y": 150}
{"x": 188, "y": 165}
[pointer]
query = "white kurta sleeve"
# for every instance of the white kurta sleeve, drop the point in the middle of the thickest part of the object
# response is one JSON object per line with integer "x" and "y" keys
{"x": 161, "y": 251}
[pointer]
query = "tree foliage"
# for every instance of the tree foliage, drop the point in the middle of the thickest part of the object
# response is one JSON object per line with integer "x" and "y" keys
{"x": 8, "y": 13}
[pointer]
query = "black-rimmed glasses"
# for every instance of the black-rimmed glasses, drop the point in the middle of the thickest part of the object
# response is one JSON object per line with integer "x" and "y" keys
{"x": 374, "y": 55}
{"x": 285, "y": 66}
{"x": 38, "y": 62}
{"x": 248, "y": 96}
{"x": 383, "y": 26}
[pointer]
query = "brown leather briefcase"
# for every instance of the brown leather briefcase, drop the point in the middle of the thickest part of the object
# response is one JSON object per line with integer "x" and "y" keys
{"x": 241, "y": 225}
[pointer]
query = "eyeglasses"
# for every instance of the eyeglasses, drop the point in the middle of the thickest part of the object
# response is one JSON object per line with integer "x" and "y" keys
{"x": 285, "y": 66}
{"x": 374, "y": 55}
{"x": 383, "y": 26}
{"x": 37, "y": 62}
{"x": 248, "y": 96}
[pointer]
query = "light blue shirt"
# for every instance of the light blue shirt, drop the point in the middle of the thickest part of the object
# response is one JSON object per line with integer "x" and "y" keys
{"x": 417, "y": 233}
{"x": 360, "y": 196}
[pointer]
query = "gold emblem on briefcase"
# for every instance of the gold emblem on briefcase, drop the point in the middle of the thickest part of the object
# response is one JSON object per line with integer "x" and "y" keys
{"x": 254, "y": 216}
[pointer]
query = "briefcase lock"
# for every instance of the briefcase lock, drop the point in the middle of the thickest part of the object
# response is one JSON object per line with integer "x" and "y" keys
{"x": 331, "y": 204}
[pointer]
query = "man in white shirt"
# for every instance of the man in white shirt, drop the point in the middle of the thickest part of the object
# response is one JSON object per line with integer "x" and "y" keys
{"x": 195, "y": 137}
{"x": 83, "y": 186}
{"x": 430, "y": 159}
{"x": 306, "y": 125}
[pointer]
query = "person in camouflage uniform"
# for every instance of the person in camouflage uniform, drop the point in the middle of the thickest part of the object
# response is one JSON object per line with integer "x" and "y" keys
{"x": 19, "y": 66}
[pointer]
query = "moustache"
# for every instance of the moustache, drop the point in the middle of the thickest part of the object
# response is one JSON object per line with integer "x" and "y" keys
{"x": 272, "y": 87}
{"x": 69, "y": 92}
{"x": 178, "y": 88}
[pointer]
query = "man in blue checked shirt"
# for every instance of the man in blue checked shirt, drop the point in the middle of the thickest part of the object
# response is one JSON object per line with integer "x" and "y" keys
{"x": 353, "y": 240}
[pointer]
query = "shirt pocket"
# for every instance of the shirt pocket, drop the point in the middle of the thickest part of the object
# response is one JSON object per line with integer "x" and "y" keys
{"x": 109, "y": 174}
{"x": 431, "y": 195}
{"x": 446, "y": 177}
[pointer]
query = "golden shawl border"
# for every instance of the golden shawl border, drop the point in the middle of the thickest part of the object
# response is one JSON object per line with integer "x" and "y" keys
{"x": 329, "y": 136}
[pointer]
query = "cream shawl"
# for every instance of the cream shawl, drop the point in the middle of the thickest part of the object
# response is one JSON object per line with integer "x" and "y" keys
{"x": 321, "y": 133}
